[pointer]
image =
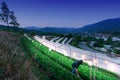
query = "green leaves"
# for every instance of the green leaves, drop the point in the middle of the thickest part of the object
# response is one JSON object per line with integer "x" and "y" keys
{"x": 56, "y": 70}
{"x": 8, "y": 16}
{"x": 59, "y": 64}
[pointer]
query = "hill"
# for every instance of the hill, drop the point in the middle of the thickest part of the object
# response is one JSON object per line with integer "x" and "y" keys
{"x": 14, "y": 65}
{"x": 51, "y": 29}
{"x": 109, "y": 25}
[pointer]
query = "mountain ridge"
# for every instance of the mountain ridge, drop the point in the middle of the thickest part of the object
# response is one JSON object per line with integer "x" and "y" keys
{"x": 101, "y": 26}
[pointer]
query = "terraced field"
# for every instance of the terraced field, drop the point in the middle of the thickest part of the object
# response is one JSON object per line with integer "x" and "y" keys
{"x": 59, "y": 65}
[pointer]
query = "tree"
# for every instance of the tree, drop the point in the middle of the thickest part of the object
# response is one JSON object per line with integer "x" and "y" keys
{"x": 13, "y": 20}
{"x": 97, "y": 44}
{"x": 117, "y": 51}
{"x": 5, "y": 13}
{"x": 8, "y": 16}
{"x": 32, "y": 33}
{"x": 109, "y": 41}
{"x": 0, "y": 17}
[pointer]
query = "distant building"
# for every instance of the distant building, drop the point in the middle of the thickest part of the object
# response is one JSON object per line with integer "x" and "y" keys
{"x": 103, "y": 49}
{"x": 107, "y": 46}
{"x": 104, "y": 38}
{"x": 115, "y": 39}
{"x": 92, "y": 42}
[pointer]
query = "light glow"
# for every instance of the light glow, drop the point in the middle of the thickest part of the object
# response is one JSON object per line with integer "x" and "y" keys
{"x": 95, "y": 61}
{"x": 74, "y": 55}
{"x": 111, "y": 67}
{"x": 89, "y": 63}
{"x": 83, "y": 57}
{"x": 106, "y": 61}
{"x": 50, "y": 49}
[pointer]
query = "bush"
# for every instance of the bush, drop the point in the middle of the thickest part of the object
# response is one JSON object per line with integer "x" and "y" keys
{"x": 117, "y": 51}
{"x": 96, "y": 44}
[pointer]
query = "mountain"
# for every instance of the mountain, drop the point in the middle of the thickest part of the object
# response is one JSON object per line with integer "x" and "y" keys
{"x": 109, "y": 25}
{"x": 102, "y": 26}
{"x": 51, "y": 29}
{"x": 32, "y": 28}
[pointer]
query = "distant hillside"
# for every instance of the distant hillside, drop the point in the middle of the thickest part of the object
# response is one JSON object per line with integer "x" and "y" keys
{"x": 32, "y": 28}
{"x": 102, "y": 26}
{"x": 109, "y": 25}
{"x": 51, "y": 29}
{"x": 12, "y": 59}
{"x": 14, "y": 29}
{"x": 11, "y": 29}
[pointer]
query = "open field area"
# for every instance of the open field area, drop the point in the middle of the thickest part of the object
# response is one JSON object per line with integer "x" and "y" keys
{"x": 60, "y": 40}
{"x": 66, "y": 62}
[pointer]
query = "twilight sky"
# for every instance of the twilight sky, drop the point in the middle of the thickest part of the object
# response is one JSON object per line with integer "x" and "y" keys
{"x": 63, "y": 13}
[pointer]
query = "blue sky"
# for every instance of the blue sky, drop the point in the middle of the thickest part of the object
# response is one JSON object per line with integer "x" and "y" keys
{"x": 63, "y": 13}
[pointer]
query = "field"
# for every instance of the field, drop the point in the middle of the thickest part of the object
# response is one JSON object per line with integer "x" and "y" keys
{"x": 59, "y": 66}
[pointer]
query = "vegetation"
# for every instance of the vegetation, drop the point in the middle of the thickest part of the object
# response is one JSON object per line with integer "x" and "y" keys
{"x": 7, "y": 16}
{"x": 97, "y": 44}
{"x": 117, "y": 51}
{"x": 75, "y": 41}
{"x": 94, "y": 48}
{"x": 57, "y": 71}
{"x": 69, "y": 35}
{"x": 13, "y": 29}
{"x": 13, "y": 63}
{"x": 66, "y": 62}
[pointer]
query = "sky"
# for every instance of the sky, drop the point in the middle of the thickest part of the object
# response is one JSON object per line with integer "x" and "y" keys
{"x": 63, "y": 13}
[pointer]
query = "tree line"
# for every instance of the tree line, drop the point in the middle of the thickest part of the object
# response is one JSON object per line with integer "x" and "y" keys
{"x": 8, "y": 17}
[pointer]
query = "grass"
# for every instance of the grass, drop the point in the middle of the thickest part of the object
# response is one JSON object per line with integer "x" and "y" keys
{"x": 14, "y": 64}
{"x": 57, "y": 71}
{"x": 66, "y": 62}
{"x": 40, "y": 73}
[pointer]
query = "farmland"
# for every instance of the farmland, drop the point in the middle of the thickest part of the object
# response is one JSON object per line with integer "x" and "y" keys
{"x": 60, "y": 65}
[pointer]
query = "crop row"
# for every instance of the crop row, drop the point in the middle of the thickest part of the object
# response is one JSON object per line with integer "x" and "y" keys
{"x": 84, "y": 70}
{"x": 56, "y": 70}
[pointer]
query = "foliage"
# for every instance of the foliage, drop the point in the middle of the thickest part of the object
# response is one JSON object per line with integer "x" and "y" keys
{"x": 12, "y": 29}
{"x": 117, "y": 51}
{"x": 66, "y": 62}
{"x": 69, "y": 35}
{"x": 97, "y": 44}
{"x": 109, "y": 41}
{"x": 6, "y": 15}
{"x": 75, "y": 41}
{"x": 13, "y": 19}
{"x": 32, "y": 33}
{"x": 57, "y": 71}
